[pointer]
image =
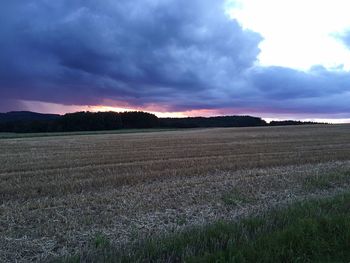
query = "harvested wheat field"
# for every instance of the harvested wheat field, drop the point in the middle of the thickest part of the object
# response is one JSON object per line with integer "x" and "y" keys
{"x": 59, "y": 193}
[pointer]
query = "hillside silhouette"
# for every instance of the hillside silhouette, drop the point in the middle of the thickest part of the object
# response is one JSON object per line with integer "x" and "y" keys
{"x": 32, "y": 122}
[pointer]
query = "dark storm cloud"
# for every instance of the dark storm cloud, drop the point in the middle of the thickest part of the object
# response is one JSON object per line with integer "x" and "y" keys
{"x": 315, "y": 91}
{"x": 177, "y": 54}
{"x": 143, "y": 51}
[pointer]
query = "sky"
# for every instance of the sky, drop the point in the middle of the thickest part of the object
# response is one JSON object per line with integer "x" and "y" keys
{"x": 277, "y": 59}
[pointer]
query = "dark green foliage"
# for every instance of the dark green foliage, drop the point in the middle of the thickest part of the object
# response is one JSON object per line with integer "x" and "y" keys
{"x": 313, "y": 231}
{"x": 139, "y": 120}
{"x": 30, "y": 122}
{"x": 89, "y": 121}
{"x": 82, "y": 121}
{"x": 220, "y": 121}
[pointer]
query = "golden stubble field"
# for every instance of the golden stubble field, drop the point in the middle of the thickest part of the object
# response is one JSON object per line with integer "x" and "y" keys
{"x": 58, "y": 193}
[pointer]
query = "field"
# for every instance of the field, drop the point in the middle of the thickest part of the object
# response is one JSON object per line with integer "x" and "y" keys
{"x": 9, "y": 135}
{"x": 62, "y": 195}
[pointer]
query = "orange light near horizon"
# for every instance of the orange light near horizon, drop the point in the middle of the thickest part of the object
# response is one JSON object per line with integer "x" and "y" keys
{"x": 55, "y": 108}
{"x": 160, "y": 114}
{"x": 106, "y": 108}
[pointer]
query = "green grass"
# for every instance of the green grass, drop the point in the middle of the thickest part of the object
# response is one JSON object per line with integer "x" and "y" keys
{"x": 5, "y": 135}
{"x": 324, "y": 182}
{"x": 236, "y": 198}
{"x": 310, "y": 231}
{"x": 101, "y": 241}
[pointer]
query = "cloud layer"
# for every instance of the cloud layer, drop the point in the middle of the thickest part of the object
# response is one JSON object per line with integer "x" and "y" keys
{"x": 346, "y": 39}
{"x": 179, "y": 55}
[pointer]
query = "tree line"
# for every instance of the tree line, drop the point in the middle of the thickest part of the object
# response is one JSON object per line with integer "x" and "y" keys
{"x": 28, "y": 122}
{"x": 80, "y": 121}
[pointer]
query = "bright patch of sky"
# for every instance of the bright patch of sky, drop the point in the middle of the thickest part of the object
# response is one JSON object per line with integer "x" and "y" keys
{"x": 297, "y": 33}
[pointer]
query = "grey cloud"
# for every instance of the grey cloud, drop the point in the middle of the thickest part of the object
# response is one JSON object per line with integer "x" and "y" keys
{"x": 131, "y": 50}
{"x": 179, "y": 54}
{"x": 316, "y": 91}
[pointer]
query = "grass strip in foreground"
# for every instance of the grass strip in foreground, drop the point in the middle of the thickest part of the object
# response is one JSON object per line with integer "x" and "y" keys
{"x": 310, "y": 231}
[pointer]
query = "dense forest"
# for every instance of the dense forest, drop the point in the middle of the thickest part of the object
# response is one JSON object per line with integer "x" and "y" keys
{"x": 220, "y": 121}
{"x": 79, "y": 121}
{"x": 25, "y": 122}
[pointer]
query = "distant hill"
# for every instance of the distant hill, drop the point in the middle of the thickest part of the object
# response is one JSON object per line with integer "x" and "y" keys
{"x": 26, "y": 116}
{"x": 291, "y": 122}
{"x": 32, "y": 122}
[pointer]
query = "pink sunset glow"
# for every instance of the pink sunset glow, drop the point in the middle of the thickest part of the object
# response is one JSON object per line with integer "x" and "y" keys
{"x": 162, "y": 112}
